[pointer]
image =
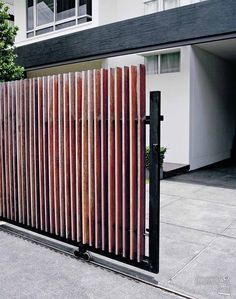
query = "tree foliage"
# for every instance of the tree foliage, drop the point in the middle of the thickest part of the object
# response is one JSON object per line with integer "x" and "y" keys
{"x": 8, "y": 69}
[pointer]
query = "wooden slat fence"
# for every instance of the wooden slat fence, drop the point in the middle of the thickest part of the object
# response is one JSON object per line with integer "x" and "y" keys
{"x": 72, "y": 157}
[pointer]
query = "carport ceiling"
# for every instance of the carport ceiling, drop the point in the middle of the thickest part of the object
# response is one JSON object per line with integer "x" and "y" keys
{"x": 225, "y": 48}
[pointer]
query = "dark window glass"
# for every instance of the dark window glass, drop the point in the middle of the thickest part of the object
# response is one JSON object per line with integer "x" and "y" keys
{"x": 84, "y": 20}
{"x": 65, "y": 25}
{"x": 45, "y": 12}
{"x": 45, "y": 30}
{"x": 30, "y": 34}
{"x": 170, "y": 62}
{"x": 30, "y": 14}
{"x": 151, "y": 63}
{"x": 65, "y": 9}
{"x": 84, "y": 7}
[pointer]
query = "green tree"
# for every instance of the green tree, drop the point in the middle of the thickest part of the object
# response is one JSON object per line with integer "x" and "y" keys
{"x": 8, "y": 69}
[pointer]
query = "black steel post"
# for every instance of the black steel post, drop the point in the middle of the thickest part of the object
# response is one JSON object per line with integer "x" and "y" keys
{"x": 154, "y": 193}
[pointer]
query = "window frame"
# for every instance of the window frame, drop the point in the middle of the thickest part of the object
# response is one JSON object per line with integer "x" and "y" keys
{"x": 55, "y": 22}
{"x": 158, "y": 58}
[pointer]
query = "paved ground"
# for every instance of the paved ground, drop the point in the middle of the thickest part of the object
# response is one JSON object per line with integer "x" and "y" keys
{"x": 198, "y": 250}
{"x": 31, "y": 271}
{"x": 198, "y": 243}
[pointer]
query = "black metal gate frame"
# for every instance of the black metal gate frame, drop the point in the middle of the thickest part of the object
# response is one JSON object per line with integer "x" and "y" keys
{"x": 151, "y": 263}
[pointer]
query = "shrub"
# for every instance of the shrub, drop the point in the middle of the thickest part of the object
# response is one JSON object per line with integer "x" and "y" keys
{"x": 8, "y": 69}
{"x": 148, "y": 157}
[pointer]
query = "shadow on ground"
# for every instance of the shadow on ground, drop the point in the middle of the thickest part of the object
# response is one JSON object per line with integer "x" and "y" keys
{"x": 220, "y": 175}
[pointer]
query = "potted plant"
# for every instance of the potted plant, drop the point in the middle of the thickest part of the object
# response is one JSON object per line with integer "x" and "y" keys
{"x": 163, "y": 151}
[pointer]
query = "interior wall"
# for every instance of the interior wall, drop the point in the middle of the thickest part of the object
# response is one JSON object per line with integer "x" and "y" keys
{"x": 212, "y": 109}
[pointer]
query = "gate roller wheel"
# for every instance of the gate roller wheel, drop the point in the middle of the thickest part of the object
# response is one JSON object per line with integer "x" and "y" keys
{"x": 85, "y": 255}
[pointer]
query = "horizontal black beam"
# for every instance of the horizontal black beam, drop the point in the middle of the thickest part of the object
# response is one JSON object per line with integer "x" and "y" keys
{"x": 200, "y": 22}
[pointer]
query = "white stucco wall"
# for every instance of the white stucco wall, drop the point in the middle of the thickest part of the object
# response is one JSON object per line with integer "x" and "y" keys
{"x": 103, "y": 12}
{"x": 175, "y": 105}
{"x": 212, "y": 109}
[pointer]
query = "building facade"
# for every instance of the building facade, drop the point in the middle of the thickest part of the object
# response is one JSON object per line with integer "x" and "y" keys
{"x": 196, "y": 81}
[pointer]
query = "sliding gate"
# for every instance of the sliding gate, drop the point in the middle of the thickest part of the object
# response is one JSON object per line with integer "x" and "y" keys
{"x": 72, "y": 161}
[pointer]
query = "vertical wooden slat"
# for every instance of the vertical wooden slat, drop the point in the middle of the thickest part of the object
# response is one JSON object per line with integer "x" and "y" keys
{"x": 141, "y": 107}
{"x": 111, "y": 162}
{"x": 125, "y": 162}
{"x": 2, "y": 183}
{"x": 78, "y": 127}
{"x": 50, "y": 155}
{"x": 14, "y": 151}
{"x": 67, "y": 156}
{"x": 61, "y": 155}
{"x": 72, "y": 155}
{"x": 18, "y": 149}
{"x": 45, "y": 154}
{"x": 26, "y": 197}
{"x": 36, "y": 155}
{"x": 31, "y": 153}
{"x": 23, "y": 174}
{"x": 10, "y": 151}
{"x": 41, "y": 156}
{"x": 85, "y": 198}
{"x": 3, "y": 151}
{"x": 133, "y": 163}
{"x": 97, "y": 157}
{"x": 118, "y": 161}
{"x": 91, "y": 156}
{"x": 56, "y": 156}
{"x": 104, "y": 157}
{"x": 6, "y": 150}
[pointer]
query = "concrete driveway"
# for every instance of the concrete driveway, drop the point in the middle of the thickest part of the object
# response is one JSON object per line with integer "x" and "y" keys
{"x": 198, "y": 250}
{"x": 198, "y": 233}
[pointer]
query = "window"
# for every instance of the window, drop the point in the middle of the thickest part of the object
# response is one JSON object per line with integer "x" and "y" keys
{"x": 151, "y": 6}
{"x": 163, "y": 63}
{"x": 65, "y": 9}
{"x": 45, "y": 16}
{"x": 151, "y": 63}
{"x": 84, "y": 7}
{"x": 45, "y": 12}
{"x": 30, "y": 15}
{"x": 168, "y": 4}
{"x": 170, "y": 63}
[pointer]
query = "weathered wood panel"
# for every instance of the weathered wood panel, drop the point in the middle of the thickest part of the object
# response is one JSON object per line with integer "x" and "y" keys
{"x": 104, "y": 158}
{"x": 141, "y": 114}
{"x": 78, "y": 146}
{"x": 111, "y": 161}
{"x": 72, "y": 157}
{"x": 85, "y": 187}
{"x": 133, "y": 162}
{"x": 56, "y": 155}
{"x": 118, "y": 161}
{"x": 97, "y": 157}
{"x": 125, "y": 162}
